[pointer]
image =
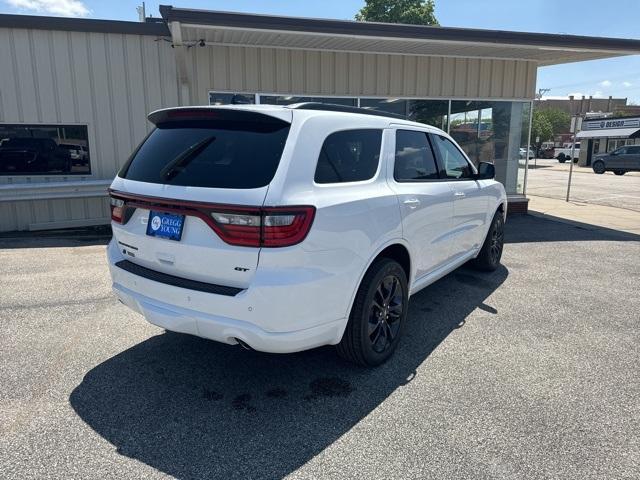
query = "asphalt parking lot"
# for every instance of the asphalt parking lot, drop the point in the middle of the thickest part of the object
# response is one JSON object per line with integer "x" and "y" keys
{"x": 550, "y": 179}
{"x": 529, "y": 372}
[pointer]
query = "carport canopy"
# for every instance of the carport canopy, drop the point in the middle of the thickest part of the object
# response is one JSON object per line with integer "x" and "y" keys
{"x": 612, "y": 132}
{"x": 191, "y": 27}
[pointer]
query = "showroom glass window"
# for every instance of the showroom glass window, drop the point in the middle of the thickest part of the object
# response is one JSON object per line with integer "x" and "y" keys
{"x": 44, "y": 150}
{"x": 290, "y": 99}
{"x": 493, "y": 131}
{"x": 227, "y": 98}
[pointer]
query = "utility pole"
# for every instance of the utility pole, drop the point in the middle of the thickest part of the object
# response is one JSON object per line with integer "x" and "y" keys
{"x": 576, "y": 126}
{"x": 541, "y": 92}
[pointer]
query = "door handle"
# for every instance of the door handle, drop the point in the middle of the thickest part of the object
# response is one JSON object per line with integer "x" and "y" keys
{"x": 459, "y": 194}
{"x": 412, "y": 202}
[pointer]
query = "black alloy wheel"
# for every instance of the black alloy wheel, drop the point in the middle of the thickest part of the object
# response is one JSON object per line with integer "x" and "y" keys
{"x": 378, "y": 315}
{"x": 385, "y": 313}
{"x": 490, "y": 254}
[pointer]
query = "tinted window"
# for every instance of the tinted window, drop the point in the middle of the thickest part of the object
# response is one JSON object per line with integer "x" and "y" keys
{"x": 43, "y": 150}
{"x": 634, "y": 150}
{"x": 349, "y": 156}
{"x": 621, "y": 151}
{"x": 454, "y": 164}
{"x": 414, "y": 157}
{"x": 213, "y": 154}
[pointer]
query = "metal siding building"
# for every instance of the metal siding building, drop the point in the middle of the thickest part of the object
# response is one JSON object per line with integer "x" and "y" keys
{"x": 102, "y": 77}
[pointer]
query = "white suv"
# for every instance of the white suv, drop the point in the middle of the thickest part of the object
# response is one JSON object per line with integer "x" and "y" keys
{"x": 286, "y": 228}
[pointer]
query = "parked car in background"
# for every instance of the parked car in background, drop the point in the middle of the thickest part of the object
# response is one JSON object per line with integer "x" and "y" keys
{"x": 285, "y": 228}
{"x": 620, "y": 161}
{"x": 79, "y": 154}
{"x": 547, "y": 153}
{"x": 564, "y": 153}
{"x": 33, "y": 155}
{"x": 523, "y": 153}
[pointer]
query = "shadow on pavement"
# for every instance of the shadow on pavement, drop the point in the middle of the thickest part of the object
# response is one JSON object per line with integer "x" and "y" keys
{"x": 74, "y": 237}
{"x": 193, "y": 408}
{"x": 529, "y": 228}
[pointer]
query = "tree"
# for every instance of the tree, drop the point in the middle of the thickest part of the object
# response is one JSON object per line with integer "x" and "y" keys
{"x": 560, "y": 120}
{"x": 541, "y": 128}
{"x": 415, "y": 12}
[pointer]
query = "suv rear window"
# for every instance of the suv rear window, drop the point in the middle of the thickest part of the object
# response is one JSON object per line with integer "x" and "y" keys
{"x": 210, "y": 153}
{"x": 349, "y": 156}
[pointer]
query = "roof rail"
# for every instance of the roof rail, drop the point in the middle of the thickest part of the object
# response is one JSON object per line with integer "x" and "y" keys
{"x": 331, "y": 107}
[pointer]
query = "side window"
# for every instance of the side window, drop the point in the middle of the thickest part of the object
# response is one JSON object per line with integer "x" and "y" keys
{"x": 454, "y": 163}
{"x": 414, "y": 157}
{"x": 349, "y": 156}
{"x": 621, "y": 151}
{"x": 634, "y": 150}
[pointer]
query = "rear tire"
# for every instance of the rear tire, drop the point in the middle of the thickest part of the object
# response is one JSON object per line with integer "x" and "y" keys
{"x": 490, "y": 254}
{"x": 598, "y": 167}
{"x": 562, "y": 158}
{"x": 378, "y": 315}
{"x": 619, "y": 172}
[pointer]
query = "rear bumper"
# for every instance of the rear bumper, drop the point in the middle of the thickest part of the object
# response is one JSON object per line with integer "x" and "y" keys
{"x": 225, "y": 319}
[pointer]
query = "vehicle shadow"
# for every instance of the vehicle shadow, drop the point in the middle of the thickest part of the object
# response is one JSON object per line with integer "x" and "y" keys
{"x": 193, "y": 408}
{"x": 73, "y": 237}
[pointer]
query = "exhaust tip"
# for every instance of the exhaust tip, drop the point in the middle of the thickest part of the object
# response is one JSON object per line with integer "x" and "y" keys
{"x": 244, "y": 344}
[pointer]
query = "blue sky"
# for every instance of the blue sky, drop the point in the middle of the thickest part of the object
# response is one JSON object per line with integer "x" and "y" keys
{"x": 619, "y": 77}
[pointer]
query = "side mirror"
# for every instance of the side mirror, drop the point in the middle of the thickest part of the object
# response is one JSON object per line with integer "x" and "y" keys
{"x": 614, "y": 153}
{"x": 486, "y": 171}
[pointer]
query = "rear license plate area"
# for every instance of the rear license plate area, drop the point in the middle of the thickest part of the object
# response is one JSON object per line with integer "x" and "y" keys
{"x": 165, "y": 225}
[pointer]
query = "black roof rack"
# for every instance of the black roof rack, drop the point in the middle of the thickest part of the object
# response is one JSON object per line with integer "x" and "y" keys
{"x": 332, "y": 107}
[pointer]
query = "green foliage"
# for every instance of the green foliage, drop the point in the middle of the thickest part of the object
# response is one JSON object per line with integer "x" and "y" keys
{"x": 560, "y": 120}
{"x": 415, "y": 12}
{"x": 541, "y": 127}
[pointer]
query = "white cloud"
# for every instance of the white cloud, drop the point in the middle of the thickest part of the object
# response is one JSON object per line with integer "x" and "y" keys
{"x": 598, "y": 94}
{"x": 67, "y": 8}
{"x": 605, "y": 83}
{"x": 627, "y": 84}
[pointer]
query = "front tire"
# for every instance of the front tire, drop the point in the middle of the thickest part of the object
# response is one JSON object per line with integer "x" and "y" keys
{"x": 619, "y": 172}
{"x": 490, "y": 254}
{"x": 378, "y": 315}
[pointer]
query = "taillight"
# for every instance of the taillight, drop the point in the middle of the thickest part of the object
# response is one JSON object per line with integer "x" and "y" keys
{"x": 235, "y": 225}
{"x": 266, "y": 227}
{"x": 117, "y": 209}
{"x": 284, "y": 226}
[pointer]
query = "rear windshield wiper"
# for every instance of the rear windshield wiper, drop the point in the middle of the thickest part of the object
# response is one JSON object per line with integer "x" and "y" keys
{"x": 171, "y": 168}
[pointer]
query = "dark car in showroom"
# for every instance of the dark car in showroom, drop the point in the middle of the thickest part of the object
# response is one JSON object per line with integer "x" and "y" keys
{"x": 620, "y": 161}
{"x": 33, "y": 155}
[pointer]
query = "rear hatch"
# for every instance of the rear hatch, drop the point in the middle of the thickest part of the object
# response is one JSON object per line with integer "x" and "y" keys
{"x": 189, "y": 202}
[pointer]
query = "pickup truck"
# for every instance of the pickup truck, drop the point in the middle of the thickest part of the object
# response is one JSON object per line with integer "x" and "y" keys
{"x": 564, "y": 153}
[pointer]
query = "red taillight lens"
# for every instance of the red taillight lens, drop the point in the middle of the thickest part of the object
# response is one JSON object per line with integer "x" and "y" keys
{"x": 285, "y": 226}
{"x": 266, "y": 227}
{"x": 117, "y": 209}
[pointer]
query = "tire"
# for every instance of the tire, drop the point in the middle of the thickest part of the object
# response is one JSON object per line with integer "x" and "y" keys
{"x": 378, "y": 315}
{"x": 562, "y": 158}
{"x": 619, "y": 172}
{"x": 490, "y": 254}
{"x": 598, "y": 167}
{"x": 575, "y": 160}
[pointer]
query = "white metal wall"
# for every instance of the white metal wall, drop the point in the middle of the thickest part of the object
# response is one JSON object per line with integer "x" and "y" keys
{"x": 108, "y": 82}
{"x": 267, "y": 70}
{"x": 111, "y": 81}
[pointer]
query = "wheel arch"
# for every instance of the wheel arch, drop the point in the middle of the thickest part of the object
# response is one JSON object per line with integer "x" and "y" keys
{"x": 397, "y": 249}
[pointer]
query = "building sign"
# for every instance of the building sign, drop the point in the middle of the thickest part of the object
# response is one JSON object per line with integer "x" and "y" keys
{"x": 606, "y": 124}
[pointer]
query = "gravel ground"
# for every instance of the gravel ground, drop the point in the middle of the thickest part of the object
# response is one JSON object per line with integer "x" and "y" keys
{"x": 529, "y": 372}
